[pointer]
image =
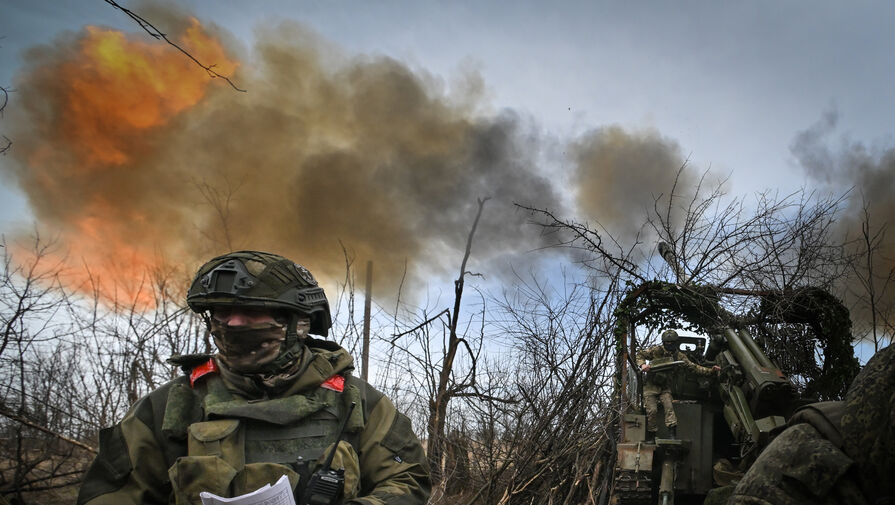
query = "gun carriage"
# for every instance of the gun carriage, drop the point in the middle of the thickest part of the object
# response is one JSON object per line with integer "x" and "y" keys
{"x": 723, "y": 422}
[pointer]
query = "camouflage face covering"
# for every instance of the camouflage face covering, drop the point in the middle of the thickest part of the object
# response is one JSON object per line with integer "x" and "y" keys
{"x": 249, "y": 348}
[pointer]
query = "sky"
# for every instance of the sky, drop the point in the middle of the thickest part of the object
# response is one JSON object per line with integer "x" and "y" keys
{"x": 540, "y": 91}
{"x": 731, "y": 82}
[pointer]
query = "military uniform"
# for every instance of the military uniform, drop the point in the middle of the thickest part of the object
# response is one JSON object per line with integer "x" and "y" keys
{"x": 656, "y": 385}
{"x": 182, "y": 439}
{"x": 270, "y": 403}
{"x": 833, "y": 452}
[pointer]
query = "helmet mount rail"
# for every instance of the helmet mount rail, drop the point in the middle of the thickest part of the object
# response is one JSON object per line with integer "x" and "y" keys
{"x": 260, "y": 280}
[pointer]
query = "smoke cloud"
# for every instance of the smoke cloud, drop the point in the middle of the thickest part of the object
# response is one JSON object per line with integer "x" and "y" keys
{"x": 621, "y": 174}
{"x": 869, "y": 176}
{"x": 136, "y": 159}
{"x": 131, "y": 154}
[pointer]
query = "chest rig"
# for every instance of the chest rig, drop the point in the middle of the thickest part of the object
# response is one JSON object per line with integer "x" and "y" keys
{"x": 235, "y": 445}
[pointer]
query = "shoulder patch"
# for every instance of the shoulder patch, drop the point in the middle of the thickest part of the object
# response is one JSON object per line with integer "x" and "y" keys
{"x": 202, "y": 370}
{"x": 335, "y": 383}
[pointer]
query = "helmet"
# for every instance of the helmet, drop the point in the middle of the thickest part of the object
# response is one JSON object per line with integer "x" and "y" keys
{"x": 260, "y": 280}
{"x": 669, "y": 337}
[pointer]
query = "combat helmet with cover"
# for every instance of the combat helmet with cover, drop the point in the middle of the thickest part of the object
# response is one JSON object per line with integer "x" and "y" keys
{"x": 669, "y": 339}
{"x": 261, "y": 280}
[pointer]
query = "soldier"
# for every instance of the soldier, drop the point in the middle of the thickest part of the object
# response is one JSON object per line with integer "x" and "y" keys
{"x": 269, "y": 403}
{"x": 657, "y": 383}
{"x": 833, "y": 452}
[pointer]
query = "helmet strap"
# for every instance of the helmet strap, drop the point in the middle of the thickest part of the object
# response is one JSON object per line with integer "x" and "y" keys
{"x": 291, "y": 330}
{"x": 291, "y": 347}
{"x": 206, "y": 316}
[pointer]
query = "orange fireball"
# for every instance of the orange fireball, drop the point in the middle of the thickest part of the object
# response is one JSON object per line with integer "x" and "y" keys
{"x": 102, "y": 102}
{"x": 120, "y": 86}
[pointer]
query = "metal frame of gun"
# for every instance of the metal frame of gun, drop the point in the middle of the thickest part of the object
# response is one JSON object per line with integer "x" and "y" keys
{"x": 664, "y": 366}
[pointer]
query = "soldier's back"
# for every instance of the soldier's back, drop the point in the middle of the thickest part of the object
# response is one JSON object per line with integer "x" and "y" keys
{"x": 801, "y": 466}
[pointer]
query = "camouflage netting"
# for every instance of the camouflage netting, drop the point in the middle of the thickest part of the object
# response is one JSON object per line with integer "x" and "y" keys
{"x": 658, "y": 304}
{"x": 790, "y": 326}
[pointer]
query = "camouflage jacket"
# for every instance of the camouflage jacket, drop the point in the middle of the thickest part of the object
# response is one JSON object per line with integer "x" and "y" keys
{"x": 833, "y": 452}
{"x": 187, "y": 437}
{"x": 801, "y": 466}
{"x": 659, "y": 352}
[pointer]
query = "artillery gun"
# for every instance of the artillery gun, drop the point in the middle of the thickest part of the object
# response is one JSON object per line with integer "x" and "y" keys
{"x": 723, "y": 422}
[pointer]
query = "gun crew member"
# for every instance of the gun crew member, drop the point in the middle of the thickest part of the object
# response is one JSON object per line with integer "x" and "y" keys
{"x": 270, "y": 402}
{"x": 834, "y": 452}
{"x": 657, "y": 383}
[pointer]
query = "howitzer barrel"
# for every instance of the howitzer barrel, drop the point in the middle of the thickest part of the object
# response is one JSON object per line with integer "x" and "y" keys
{"x": 762, "y": 394}
{"x": 756, "y": 351}
{"x": 760, "y": 372}
{"x": 746, "y": 350}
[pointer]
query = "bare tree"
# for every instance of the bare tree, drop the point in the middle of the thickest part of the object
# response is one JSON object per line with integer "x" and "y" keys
{"x": 440, "y": 374}
{"x": 36, "y": 431}
{"x": 220, "y": 199}
{"x": 74, "y": 363}
{"x": 558, "y": 436}
{"x": 776, "y": 261}
{"x": 447, "y": 387}
{"x": 873, "y": 281}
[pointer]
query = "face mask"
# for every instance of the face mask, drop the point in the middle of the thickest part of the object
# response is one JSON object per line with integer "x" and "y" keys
{"x": 248, "y": 348}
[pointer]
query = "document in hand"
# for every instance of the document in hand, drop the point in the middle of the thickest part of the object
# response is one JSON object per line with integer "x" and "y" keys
{"x": 278, "y": 494}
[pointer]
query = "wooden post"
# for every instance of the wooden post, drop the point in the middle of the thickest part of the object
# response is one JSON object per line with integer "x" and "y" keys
{"x": 365, "y": 350}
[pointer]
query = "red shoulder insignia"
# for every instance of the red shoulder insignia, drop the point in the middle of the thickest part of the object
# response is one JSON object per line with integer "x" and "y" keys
{"x": 335, "y": 383}
{"x": 202, "y": 370}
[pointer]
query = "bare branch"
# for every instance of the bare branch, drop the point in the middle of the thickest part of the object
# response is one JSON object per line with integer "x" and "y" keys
{"x": 48, "y": 431}
{"x": 417, "y": 327}
{"x": 159, "y": 35}
{"x": 4, "y": 100}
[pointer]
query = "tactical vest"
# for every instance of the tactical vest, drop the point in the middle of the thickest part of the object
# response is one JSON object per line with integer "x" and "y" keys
{"x": 235, "y": 446}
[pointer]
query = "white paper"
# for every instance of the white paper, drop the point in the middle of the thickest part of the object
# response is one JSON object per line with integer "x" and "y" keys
{"x": 278, "y": 494}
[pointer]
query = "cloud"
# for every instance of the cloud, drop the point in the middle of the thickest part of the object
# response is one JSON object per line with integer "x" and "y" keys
{"x": 620, "y": 175}
{"x": 136, "y": 159}
{"x": 868, "y": 175}
{"x": 131, "y": 153}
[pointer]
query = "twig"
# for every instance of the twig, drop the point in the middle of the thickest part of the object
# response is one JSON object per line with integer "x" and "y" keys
{"x": 5, "y": 100}
{"x": 424, "y": 323}
{"x": 158, "y": 35}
